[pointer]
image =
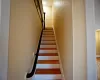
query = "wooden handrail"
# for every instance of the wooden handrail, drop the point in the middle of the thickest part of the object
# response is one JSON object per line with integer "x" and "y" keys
{"x": 38, "y": 7}
{"x": 29, "y": 75}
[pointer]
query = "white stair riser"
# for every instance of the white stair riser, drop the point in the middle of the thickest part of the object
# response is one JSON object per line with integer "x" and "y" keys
{"x": 47, "y": 51}
{"x": 47, "y": 46}
{"x": 48, "y": 38}
{"x": 46, "y": 77}
{"x": 52, "y": 42}
{"x": 47, "y": 66}
{"x": 48, "y": 35}
{"x": 48, "y": 32}
{"x": 48, "y": 58}
{"x": 48, "y": 29}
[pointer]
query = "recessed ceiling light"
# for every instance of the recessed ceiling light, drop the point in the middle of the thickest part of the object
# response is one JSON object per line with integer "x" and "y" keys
{"x": 57, "y": 3}
{"x": 60, "y": 3}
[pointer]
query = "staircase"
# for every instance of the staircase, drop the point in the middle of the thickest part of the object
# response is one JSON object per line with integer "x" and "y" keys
{"x": 48, "y": 67}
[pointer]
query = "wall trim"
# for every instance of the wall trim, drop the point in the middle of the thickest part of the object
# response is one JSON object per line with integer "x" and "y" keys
{"x": 4, "y": 38}
{"x": 90, "y": 35}
{"x": 62, "y": 71}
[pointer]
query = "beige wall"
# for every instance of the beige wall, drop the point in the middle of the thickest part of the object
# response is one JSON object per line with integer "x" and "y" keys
{"x": 79, "y": 40}
{"x": 97, "y": 42}
{"x": 25, "y": 28}
{"x": 48, "y": 16}
{"x": 62, "y": 20}
{"x": 69, "y": 24}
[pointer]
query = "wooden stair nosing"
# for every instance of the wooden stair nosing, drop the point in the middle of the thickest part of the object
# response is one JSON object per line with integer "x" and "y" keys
{"x": 48, "y": 36}
{"x": 47, "y": 40}
{"x": 48, "y": 62}
{"x": 48, "y": 71}
{"x": 48, "y": 48}
{"x": 48, "y": 54}
{"x": 48, "y": 31}
{"x": 51, "y": 31}
{"x": 47, "y": 44}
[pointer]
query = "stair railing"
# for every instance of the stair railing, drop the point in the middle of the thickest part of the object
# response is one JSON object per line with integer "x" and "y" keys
{"x": 42, "y": 18}
{"x": 29, "y": 75}
{"x": 40, "y": 12}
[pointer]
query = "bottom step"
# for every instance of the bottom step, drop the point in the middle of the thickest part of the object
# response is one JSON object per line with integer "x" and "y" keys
{"x": 47, "y": 77}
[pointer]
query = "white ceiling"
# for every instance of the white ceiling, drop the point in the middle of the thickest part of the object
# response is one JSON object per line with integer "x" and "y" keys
{"x": 47, "y": 2}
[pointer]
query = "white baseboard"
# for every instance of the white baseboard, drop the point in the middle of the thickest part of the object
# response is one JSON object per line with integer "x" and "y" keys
{"x": 59, "y": 55}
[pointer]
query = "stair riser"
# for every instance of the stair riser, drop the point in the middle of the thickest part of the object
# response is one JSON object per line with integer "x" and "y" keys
{"x": 48, "y": 36}
{"x": 46, "y": 77}
{"x": 47, "y": 66}
{"x": 47, "y": 46}
{"x": 48, "y": 31}
{"x": 48, "y": 58}
{"x": 45, "y": 34}
{"x": 48, "y": 39}
{"x": 48, "y": 42}
{"x": 47, "y": 51}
